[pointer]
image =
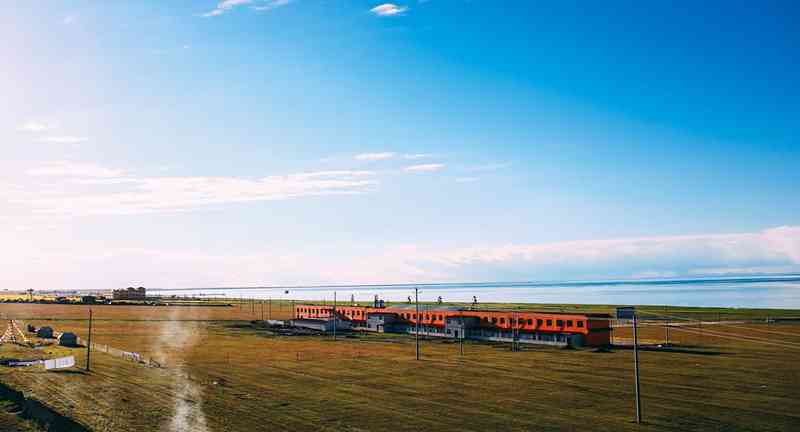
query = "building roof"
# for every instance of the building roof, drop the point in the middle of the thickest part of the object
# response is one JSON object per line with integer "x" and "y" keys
{"x": 429, "y": 308}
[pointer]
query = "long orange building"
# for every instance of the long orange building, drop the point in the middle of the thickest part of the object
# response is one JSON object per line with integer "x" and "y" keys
{"x": 522, "y": 326}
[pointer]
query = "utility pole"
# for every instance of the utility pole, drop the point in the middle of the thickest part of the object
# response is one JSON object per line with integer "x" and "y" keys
{"x": 700, "y": 327}
{"x": 89, "y": 342}
{"x": 334, "y": 315}
{"x": 513, "y": 331}
{"x": 416, "y": 299}
{"x": 629, "y": 313}
{"x": 269, "y": 310}
{"x": 463, "y": 330}
{"x": 636, "y": 368}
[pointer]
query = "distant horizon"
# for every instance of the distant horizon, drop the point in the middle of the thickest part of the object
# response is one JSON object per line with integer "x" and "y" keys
{"x": 766, "y": 277}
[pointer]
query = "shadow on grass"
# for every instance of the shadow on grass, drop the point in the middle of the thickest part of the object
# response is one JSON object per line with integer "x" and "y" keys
{"x": 68, "y": 371}
{"x": 670, "y": 349}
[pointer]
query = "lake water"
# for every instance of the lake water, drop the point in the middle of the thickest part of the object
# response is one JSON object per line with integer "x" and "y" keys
{"x": 751, "y": 292}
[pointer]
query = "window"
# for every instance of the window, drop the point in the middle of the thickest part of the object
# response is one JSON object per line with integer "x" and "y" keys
{"x": 494, "y": 320}
{"x": 415, "y": 316}
{"x": 530, "y": 321}
{"x": 580, "y": 324}
{"x": 538, "y": 323}
{"x": 427, "y": 317}
{"x": 569, "y": 323}
{"x": 559, "y": 323}
{"x": 485, "y": 319}
{"x": 502, "y": 320}
{"x": 549, "y": 323}
{"x": 440, "y": 318}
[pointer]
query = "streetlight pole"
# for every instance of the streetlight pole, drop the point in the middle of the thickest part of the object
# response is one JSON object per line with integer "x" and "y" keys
{"x": 416, "y": 299}
{"x": 334, "y": 315}
{"x": 463, "y": 330}
{"x": 636, "y": 368}
{"x": 89, "y": 342}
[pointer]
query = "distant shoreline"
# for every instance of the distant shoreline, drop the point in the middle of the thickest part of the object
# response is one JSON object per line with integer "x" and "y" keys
{"x": 789, "y": 277}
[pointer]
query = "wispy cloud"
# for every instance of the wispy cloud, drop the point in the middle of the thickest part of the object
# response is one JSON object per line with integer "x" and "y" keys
{"x": 272, "y": 5}
{"x": 225, "y": 6}
{"x": 424, "y": 167}
{"x": 415, "y": 156}
{"x": 73, "y": 169}
{"x": 94, "y": 189}
{"x": 764, "y": 251}
{"x": 259, "y": 5}
{"x": 63, "y": 139}
{"x": 391, "y": 155}
{"x": 774, "y": 249}
{"x": 375, "y": 156}
{"x": 388, "y": 9}
{"x": 35, "y": 126}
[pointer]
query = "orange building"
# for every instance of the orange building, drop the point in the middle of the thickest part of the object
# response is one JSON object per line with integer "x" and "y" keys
{"x": 522, "y": 326}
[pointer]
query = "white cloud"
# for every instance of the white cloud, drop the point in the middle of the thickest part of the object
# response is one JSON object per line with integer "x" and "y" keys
{"x": 73, "y": 169}
{"x": 92, "y": 189}
{"x": 63, "y": 139}
{"x": 272, "y": 5}
{"x": 415, "y": 156}
{"x": 224, "y": 6}
{"x": 259, "y": 5}
{"x": 424, "y": 167}
{"x": 774, "y": 249}
{"x": 375, "y": 156}
{"x": 388, "y": 9}
{"x": 764, "y": 251}
{"x": 34, "y": 126}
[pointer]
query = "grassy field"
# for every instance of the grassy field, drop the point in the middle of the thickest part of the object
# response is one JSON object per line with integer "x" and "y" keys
{"x": 221, "y": 374}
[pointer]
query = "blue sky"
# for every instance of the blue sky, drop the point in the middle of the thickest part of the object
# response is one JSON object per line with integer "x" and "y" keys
{"x": 198, "y": 143}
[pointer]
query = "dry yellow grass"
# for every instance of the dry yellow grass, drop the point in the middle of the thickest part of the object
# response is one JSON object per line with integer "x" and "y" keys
{"x": 238, "y": 379}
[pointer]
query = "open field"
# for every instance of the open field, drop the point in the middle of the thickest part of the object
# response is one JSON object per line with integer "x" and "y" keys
{"x": 221, "y": 374}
